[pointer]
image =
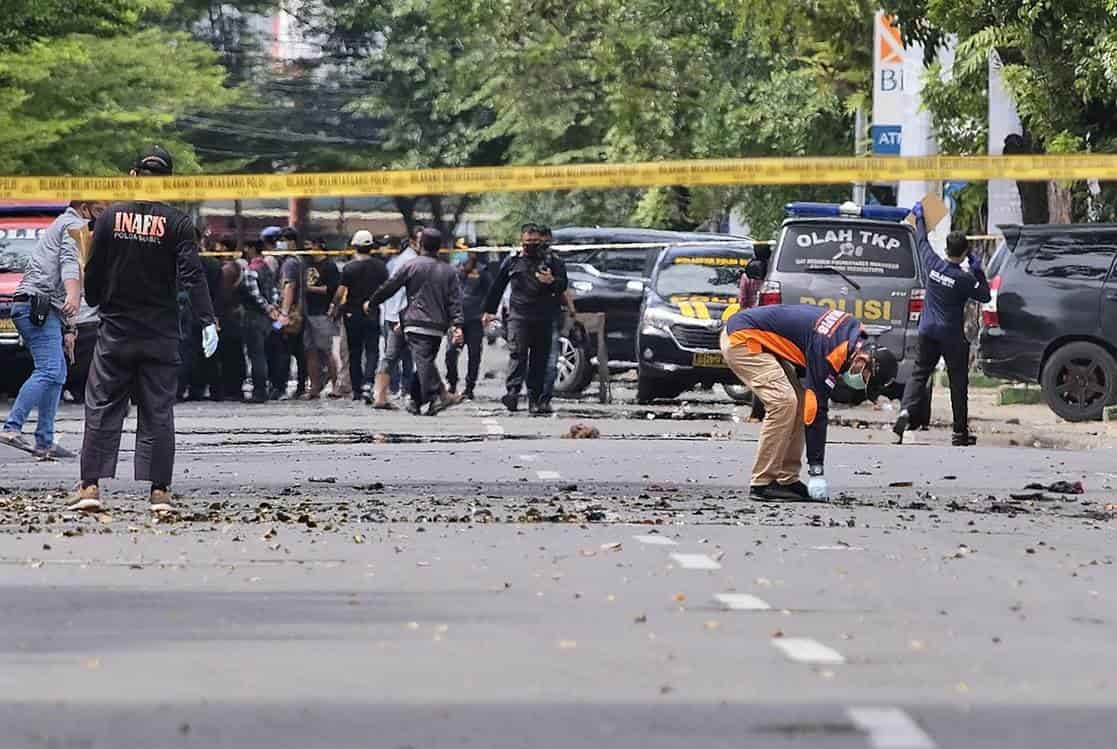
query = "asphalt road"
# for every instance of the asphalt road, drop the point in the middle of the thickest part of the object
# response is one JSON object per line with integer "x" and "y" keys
{"x": 348, "y": 578}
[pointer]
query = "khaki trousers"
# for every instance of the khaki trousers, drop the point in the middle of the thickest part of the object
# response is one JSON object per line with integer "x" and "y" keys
{"x": 779, "y": 455}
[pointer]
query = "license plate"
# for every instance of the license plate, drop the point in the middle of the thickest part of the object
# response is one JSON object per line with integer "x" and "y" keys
{"x": 7, "y": 325}
{"x": 711, "y": 359}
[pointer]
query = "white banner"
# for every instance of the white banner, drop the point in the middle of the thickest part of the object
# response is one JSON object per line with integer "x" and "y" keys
{"x": 888, "y": 87}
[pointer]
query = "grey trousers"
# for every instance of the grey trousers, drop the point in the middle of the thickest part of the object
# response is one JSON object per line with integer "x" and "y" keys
{"x": 140, "y": 369}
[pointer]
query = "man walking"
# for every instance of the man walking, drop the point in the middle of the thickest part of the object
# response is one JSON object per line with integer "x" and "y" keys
{"x": 475, "y": 287}
{"x": 537, "y": 279}
{"x": 322, "y": 281}
{"x": 360, "y": 277}
{"x": 46, "y": 303}
{"x": 941, "y": 331}
{"x": 395, "y": 363}
{"x": 142, "y": 253}
{"x": 256, "y": 290}
{"x": 434, "y": 306}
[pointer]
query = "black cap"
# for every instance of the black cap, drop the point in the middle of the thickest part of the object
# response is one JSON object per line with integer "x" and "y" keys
{"x": 156, "y": 160}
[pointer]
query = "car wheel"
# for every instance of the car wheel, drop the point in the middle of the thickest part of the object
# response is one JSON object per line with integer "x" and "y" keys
{"x": 1078, "y": 381}
{"x": 737, "y": 392}
{"x": 650, "y": 389}
{"x": 575, "y": 370}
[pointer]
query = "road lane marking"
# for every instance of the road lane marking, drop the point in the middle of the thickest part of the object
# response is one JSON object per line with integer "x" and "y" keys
{"x": 492, "y": 427}
{"x": 806, "y": 650}
{"x": 741, "y": 602}
{"x": 547, "y": 475}
{"x": 655, "y": 540}
{"x": 695, "y": 562}
{"x": 528, "y": 458}
{"x": 890, "y": 728}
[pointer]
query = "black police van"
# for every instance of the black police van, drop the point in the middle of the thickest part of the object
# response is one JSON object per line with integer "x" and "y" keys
{"x": 691, "y": 293}
{"x": 1052, "y": 318}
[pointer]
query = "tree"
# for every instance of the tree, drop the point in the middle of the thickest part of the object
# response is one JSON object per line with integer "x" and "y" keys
{"x": 28, "y": 21}
{"x": 88, "y": 105}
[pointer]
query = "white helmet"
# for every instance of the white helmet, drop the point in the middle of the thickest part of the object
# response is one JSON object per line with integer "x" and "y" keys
{"x": 363, "y": 238}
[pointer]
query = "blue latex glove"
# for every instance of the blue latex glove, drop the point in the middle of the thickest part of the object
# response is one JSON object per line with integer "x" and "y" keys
{"x": 975, "y": 264}
{"x": 817, "y": 488}
{"x": 917, "y": 209}
{"x": 209, "y": 340}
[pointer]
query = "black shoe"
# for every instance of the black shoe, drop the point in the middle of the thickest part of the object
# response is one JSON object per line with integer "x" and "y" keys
{"x": 900, "y": 427}
{"x": 468, "y": 394}
{"x": 963, "y": 439}
{"x": 359, "y": 397}
{"x": 442, "y": 403}
{"x": 259, "y": 398}
{"x": 511, "y": 402}
{"x": 543, "y": 408}
{"x": 758, "y": 491}
{"x": 798, "y": 488}
{"x": 532, "y": 407}
{"x": 413, "y": 408}
{"x": 451, "y": 387}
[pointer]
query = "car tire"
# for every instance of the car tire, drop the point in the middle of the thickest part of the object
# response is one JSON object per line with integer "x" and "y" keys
{"x": 738, "y": 393}
{"x": 575, "y": 366}
{"x": 1078, "y": 380}
{"x": 650, "y": 389}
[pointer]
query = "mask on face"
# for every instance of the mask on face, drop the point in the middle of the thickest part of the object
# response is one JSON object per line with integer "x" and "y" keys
{"x": 855, "y": 381}
{"x": 533, "y": 248}
{"x": 283, "y": 244}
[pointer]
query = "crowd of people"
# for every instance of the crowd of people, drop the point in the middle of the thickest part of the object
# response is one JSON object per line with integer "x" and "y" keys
{"x": 367, "y": 324}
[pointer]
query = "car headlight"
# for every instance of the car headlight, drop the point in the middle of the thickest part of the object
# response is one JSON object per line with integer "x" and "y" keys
{"x": 658, "y": 321}
{"x": 582, "y": 287}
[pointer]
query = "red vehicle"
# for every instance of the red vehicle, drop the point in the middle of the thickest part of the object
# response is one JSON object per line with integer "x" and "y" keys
{"x": 22, "y": 222}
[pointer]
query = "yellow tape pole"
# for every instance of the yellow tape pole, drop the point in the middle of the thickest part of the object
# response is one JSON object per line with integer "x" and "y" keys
{"x": 762, "y": 171}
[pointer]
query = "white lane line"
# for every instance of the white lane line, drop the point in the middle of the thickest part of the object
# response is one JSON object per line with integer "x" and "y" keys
{"x": 890, "y": 728}
{"x": 528, "y": 458}
{"x": 695, "y": 562}
{"x": 547, "y": 475}
{"x": 741, "y": 602}
{"x": 806, "y": 650}
{"x": 492, "y": 427}
{"x": 655, "y": 540}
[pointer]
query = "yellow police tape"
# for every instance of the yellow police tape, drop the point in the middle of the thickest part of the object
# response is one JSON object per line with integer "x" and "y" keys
{"x": 760, "y": 171}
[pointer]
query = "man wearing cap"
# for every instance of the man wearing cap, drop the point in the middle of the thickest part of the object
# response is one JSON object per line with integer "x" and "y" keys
{"x": 360, "y": 277}
{"x": 142, "y": 253}
{"x": 770, "y": 349}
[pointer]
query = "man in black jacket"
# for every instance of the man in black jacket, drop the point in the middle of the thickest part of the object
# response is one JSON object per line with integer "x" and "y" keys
{"x": 434, "y": 306}
{"x": 538, "y": 280}
{"x": 142, "y": 253}
{"x": 475, "y": 287}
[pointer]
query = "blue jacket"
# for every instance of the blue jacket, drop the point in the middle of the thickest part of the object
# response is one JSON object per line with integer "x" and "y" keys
{"x": 818, "y": 341}
{"x": 948, "y": 289}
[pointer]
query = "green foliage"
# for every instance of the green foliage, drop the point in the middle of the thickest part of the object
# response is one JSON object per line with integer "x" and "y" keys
{"x": 87, "y": 105}
{"x": 25, "y": 22}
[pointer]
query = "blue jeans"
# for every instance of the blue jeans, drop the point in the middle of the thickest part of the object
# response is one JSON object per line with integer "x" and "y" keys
{"x": 43, "y": 389}
{"x": 552, "y": 362}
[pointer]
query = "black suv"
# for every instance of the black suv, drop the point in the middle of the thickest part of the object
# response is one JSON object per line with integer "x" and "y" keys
{"x": 611, "y": 279}
{"x": 1053, "y": 315}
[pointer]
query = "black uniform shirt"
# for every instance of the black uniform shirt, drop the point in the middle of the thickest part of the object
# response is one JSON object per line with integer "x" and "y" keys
{"x": 142, "y": 254}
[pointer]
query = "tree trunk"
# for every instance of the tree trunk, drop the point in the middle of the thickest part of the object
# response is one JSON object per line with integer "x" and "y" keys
{"x": 238, "y": 223}
{"x": 1060, "y": 202}
{"x": 406, "y": 208}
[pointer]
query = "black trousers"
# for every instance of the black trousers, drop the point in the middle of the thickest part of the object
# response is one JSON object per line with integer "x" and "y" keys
{"x": 143, "y": 369}
{"x": 78, "y": 372}
{"x": 196, "y": 372}
{"x": 474, "y": 335}
{"x": 427, "y": 384}
{"x": 362, "y": 334}
{"x": 230, "y": 354}
{"x": 957, "y": 355}
{"x": 281, "y": 347}
{"x": 257, "y": 331}
{"x": 529, "y": 347}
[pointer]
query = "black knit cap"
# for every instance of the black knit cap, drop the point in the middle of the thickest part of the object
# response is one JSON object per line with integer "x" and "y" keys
{"x": 156, "y": 160}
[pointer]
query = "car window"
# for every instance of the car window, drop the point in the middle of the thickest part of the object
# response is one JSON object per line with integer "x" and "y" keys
{"x": 876, "y": 251}
{"x": 16, "y": 246}
{"x": 998, "y": 260}
{"x": 621, "y": 262}
{"x": 1072, "y": 259}
{"x": 701, "y": 275}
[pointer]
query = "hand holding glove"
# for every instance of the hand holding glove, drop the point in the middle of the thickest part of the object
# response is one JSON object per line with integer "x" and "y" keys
{"x": 209, "y": 340}
{"x": 816, "y": 484}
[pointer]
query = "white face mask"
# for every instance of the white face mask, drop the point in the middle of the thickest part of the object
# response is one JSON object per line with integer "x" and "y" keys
{"x": 283, "y": 244}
